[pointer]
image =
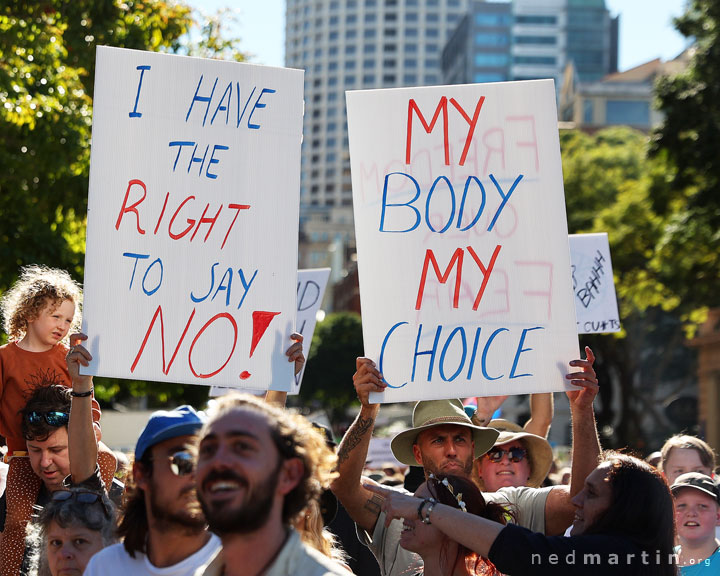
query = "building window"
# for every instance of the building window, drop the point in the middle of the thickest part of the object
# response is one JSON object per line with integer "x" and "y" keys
{"x": 410, "y": 62}
{"x": 349, "y": 49}
{"x": 368, "y": 79}
{"x": 535, "y": 19}
{"x": 389, "y": 47}
{"x": 543, "y": 40}
{"x": 496, "y": 60}
{"x": 411, "y": 16}
{"x": 389, "y": 78}
{"x": 489, "y": 77}
{"x": 411, "y": 32}
{"x": 369, "y": 33}
{"x": 410, "y": 79}
{"x": 491, "y": 39}
{"x": 633, "y": 112}
{"x": 542, "y": 60}
{"x": 369, "y": 49}
{"x": 492, "y": 19}
{"x": 389, "y": 62}
{"x": 588, "y": 110}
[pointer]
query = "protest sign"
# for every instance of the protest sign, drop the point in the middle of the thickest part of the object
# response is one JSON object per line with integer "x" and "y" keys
{"x": 461, "y": 237}
{"x": 311, "y": 285}
{"x": 593, "y": 284}
{"x": 191, "y": 259}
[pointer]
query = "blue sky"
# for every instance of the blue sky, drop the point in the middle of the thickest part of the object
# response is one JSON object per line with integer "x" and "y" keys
{"x": 646, "y": 30}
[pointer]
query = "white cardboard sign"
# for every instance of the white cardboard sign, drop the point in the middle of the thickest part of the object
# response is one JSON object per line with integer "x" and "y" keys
{"x": 191, "y": 257}
{"x": 593, "y": 284}
{"x": 462, "y": 242}
{"x": 311, "y": 286}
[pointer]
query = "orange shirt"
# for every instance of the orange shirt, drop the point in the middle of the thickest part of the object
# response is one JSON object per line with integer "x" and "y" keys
{"x": 20, "y": 373}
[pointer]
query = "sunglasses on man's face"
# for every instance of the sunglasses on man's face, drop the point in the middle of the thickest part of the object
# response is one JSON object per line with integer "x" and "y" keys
{"x": 515, "y": 454}
{"x": 182, "y": 463}
{"x": 81, "y": 497}
{"x": 53, "y": 418}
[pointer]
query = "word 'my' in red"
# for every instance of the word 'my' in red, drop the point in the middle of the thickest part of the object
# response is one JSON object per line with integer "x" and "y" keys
{"x": 442, "y": 107}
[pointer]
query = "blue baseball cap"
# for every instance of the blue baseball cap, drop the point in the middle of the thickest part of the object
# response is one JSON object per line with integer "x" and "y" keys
{"x": 166, "y": 424}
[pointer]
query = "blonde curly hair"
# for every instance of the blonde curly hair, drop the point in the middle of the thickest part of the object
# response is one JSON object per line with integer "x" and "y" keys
{"x": 36, "y": 287}
{"x": 294, "y": 437}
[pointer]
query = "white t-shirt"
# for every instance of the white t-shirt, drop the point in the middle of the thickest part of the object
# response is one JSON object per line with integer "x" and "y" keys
{"x": 115, "y": 561}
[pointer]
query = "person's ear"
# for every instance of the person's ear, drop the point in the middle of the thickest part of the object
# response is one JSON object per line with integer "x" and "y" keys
{"x": 417, "y": 454}
{"x": 291, "y": 475}
{"x": 140, "y": 476}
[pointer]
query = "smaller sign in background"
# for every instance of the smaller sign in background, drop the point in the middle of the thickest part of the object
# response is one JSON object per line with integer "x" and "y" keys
{"x": 593, "y": 284}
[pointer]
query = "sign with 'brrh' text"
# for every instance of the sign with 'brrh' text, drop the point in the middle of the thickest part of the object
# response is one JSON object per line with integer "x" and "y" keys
{"x": 191, "y": 257}
{"x": 462, "y": 242}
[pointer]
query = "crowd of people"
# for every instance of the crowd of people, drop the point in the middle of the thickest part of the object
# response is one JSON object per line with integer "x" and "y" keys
{"x": 248, "y": 488}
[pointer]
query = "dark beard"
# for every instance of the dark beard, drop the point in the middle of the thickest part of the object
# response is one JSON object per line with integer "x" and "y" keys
{"x": 190, "y": 520}
{"x": 251, "y": 515}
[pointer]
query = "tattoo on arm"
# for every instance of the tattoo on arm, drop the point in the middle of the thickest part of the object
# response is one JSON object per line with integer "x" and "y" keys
{"x": 353, "y": 438}
{"x": 374, "y": 504}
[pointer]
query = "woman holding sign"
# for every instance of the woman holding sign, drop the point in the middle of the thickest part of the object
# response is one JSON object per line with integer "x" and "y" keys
{"x": 623, "y": 526}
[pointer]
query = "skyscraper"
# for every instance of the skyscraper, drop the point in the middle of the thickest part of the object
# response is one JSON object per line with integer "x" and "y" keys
{"x": 529, "y": 39}
{"x": 349, "y": 45}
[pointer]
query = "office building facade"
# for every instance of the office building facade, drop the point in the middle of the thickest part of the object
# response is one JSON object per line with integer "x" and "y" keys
{"x": 530, "y": 39}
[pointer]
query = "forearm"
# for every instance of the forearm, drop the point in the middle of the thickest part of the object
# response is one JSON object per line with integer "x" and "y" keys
{"x": 82, "y": 443}
{"x": 276, "y": 398}
{"x": 362, "y": 505}
{"x": 585, "y": 446}
{"x": 541, "y": 414}
{"x": 474, "y": 532}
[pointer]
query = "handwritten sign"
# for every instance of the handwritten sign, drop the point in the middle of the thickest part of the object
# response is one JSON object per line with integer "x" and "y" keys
{"x": 311, "y": 286}
{"x": 462, "y": 239}
{"x": 191, "y": 257}
{"x": 593, "y": 284}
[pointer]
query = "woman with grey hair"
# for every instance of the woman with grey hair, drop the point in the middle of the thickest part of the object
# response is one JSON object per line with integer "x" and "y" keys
{"x": 74, "y": 525}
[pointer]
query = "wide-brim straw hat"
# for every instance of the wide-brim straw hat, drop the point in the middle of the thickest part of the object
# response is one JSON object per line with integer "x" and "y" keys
{"x": 539, "y": 451}
{"x": 429, "y": 413}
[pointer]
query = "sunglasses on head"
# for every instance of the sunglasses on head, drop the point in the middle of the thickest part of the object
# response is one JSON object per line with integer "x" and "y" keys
{"x": 54, "y": 418}
{"x": 82, "y": 497}
{"x": 515, "y": 454}
{"x": 182, "y": 463}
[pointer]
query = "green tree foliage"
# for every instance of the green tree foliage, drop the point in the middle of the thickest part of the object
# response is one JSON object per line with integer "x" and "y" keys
{"x": 610, "y": 183}
{"x": 687, "y": 257}
{"x": 327, "y": 381}
{"x": 47, "y": 65}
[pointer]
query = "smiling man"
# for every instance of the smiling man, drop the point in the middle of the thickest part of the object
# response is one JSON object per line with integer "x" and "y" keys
{"x": 258, "y": 468}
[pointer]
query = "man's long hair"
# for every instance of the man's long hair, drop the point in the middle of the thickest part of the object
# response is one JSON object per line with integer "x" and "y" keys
{"x": 133, "y": 525}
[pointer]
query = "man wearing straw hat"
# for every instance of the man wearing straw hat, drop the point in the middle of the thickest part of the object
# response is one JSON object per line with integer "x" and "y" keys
{"x": 443, "y": 440}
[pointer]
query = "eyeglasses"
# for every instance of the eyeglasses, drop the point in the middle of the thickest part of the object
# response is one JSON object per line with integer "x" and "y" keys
{"x": 82, "y": 497}
{"x": 515, "y": 454}
{"x": 53, "y": 418}
{"x": 181, "y": 463}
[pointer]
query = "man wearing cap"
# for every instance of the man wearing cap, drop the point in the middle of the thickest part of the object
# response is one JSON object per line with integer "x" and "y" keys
{"x": 697, "y": 513}
{"x": 518, "y": 458}
{"x": 162, "y": 525}
{"x": 443, "y": 440}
